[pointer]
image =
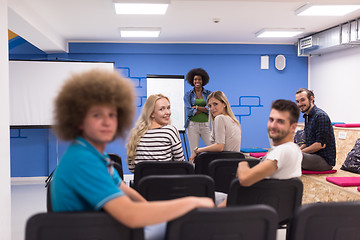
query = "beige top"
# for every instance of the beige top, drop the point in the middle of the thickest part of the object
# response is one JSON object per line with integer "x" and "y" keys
{"x": 226, "y": 131}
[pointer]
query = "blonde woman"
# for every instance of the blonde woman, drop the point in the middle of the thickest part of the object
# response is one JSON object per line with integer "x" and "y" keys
{"x": 226, "y": 130}
{"x": 153, "y": 138}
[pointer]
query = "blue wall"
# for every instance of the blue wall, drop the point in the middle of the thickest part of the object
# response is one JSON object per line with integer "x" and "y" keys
{"x": 19, "y": 48}
{"x": 233, "y": 69}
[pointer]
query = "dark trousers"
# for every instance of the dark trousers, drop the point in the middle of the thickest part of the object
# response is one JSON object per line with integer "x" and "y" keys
{"x": 314, "y": 162}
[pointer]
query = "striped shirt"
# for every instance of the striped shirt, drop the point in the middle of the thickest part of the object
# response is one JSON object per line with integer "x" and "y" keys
{"x": 159, "y": 144}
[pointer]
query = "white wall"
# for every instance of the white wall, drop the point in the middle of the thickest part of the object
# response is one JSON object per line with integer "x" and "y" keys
{"x": 5, "y": 208}
{"x": 335, "y": 79}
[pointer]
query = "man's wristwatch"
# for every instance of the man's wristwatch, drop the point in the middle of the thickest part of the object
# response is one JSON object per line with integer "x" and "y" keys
{"x": 195, "y": 150}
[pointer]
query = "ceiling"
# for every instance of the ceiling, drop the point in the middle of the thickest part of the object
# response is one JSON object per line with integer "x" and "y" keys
{"x": 51, "y": 24}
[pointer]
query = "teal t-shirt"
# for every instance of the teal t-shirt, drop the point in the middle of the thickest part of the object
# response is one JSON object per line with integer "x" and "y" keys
{"x": 82, "y": 181}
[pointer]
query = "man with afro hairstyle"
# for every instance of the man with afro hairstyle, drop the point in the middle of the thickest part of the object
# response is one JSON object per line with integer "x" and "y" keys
{"x": 91, "y": 110}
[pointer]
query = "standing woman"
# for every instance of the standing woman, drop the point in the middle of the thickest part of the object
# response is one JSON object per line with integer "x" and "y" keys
{"x": 197, "y": 117}
{"x": 226, "y": 130}
{"x": 153, "y": 138}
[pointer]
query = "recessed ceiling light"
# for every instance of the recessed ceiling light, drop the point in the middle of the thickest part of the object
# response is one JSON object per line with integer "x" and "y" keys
{"x": 326, "y": 10}
{"x": 141, "y": 7}
{"x": 139, "y": 32}
{"x": 278, "y": 33}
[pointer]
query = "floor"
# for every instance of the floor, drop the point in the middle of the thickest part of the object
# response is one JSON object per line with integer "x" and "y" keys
{"x": 29, "y": 197}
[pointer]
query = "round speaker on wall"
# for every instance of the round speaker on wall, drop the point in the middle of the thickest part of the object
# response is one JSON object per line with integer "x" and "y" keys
{"x": 280, "y": 62}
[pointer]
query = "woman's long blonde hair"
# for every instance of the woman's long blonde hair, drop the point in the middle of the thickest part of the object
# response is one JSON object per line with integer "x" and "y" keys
{"x": 220, "y": 96}
{"x": 142, "y": 125}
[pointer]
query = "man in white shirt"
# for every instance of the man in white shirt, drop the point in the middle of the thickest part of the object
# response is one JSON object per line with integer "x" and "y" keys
{"x": 284, "y": 159}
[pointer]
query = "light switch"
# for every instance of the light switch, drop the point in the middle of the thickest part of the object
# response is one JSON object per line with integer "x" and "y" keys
{"x": 265, "y": 62}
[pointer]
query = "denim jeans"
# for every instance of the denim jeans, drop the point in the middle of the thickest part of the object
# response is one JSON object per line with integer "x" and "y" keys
{"x": 155, "y": 232}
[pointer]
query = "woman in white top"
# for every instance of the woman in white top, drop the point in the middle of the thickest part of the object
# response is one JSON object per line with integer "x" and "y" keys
{"x": 226, "y": 130}
{"x": 153, "y": 138}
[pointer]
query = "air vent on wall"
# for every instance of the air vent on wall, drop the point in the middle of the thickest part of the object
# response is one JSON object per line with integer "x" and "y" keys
{"x": 350, "y": 33}
{"x": 336, "y": 38}
{"x": 305, "y": 42}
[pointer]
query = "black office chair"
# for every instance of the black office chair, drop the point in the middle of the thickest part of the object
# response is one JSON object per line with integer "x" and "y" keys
{"x": 335, "y": 220}
{"x": 285, "y": 196}
{"x": 223, "y": 171}
{"x": 166, "y": 187}
{"x": 203, "y": 159}
{"x": 148, "y": 168}
{"x": 118, "y": 164}
{"x": 113, "y": 156}
{"x": 79, "y": 226}
{"x": 250, "y": 222}
{"x": 48, "y": 198}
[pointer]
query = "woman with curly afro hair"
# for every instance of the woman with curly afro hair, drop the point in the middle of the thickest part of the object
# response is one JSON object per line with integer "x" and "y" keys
{"x": 197, "y": 117}
{"x": 91, "y": 110}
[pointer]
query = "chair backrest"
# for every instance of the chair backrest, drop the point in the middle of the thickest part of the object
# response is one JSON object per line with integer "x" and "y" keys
{"x": 148, "y": 168}
{"x": 335, "y": 220}
{"x": 250, "y": 222}
{"x": 48, "y": 198}
{"x": 166, "y": 187}
{"x": 203, "y": 159}
{"x": 118, "y": 166}
{"x": 223, "y": 171}
{"x": 285, "y": 196}
{"x": 79, "y": 226}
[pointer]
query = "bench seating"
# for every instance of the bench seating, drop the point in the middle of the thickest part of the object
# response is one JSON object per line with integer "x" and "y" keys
{"x": 317, "y": 189}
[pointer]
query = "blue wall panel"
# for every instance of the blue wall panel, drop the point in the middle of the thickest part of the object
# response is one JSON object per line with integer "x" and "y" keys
{"x": 19, "y": 48}
{"x": 29, "y": 152}
{"x": 233, "y": 69}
